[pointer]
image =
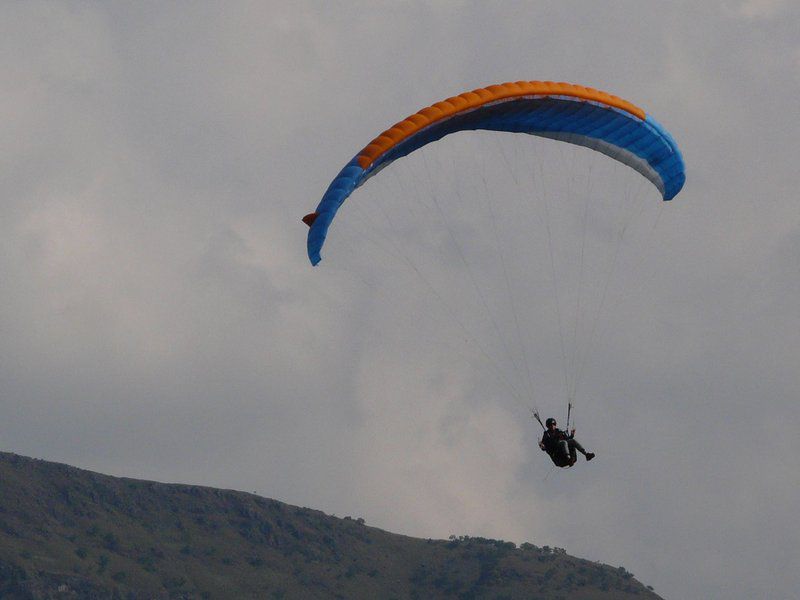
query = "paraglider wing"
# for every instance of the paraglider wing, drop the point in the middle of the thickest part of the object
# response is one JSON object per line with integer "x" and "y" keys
{"x": 560, "y": 111}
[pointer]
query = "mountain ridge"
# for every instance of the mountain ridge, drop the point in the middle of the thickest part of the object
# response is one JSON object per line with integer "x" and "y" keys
{"x": 66, "y": 532}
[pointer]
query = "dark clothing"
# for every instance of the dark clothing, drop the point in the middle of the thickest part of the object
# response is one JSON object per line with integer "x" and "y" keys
{"x": 561, "y": 447}
{"x": 550, "y": 439}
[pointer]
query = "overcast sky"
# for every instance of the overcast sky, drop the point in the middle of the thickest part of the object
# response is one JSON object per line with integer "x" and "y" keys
{"x": 159, "y": 318}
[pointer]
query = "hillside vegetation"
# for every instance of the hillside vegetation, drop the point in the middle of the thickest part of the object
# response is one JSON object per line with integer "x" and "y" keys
{"x": 70, "y": 533}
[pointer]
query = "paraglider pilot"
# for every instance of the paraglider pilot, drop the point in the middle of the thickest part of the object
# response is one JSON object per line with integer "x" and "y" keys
{"x": 562, "y": 446}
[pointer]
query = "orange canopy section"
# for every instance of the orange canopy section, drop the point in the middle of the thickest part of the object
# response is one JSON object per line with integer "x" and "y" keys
{"x": 480, "y": 97}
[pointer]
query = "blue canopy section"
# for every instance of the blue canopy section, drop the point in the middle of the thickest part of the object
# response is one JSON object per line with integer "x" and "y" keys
{"x": 643, "y": 145}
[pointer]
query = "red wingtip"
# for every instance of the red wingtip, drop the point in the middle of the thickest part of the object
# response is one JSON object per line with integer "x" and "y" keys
{"x": 310, "y": 218}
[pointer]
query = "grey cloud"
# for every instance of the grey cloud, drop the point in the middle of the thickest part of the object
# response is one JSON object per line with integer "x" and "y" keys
{"x": 159, "y": 319}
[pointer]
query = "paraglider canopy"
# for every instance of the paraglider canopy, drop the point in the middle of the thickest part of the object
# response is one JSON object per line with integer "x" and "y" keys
{"x": 562, "y": 111}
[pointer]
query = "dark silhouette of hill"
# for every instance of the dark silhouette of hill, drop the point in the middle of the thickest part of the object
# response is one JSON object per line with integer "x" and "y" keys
{"x": 70, "y": 533}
